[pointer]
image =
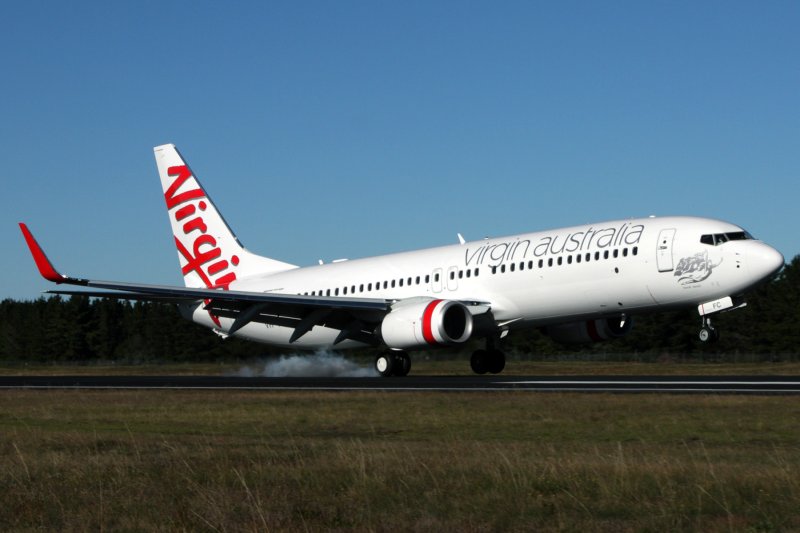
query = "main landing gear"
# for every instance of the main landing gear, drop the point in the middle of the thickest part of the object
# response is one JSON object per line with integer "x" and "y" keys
{"x": 483, "y": 361}
{"x": 708, "y": 333}
{"x": 393, "y": 364}
{"x": 489, "y": 360}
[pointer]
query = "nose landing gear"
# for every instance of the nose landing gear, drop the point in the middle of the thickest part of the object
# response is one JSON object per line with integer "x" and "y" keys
{"x": 708, "y": 333}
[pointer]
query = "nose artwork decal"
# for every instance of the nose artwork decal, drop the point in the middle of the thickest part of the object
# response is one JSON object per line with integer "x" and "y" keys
{"x": 695, "y": 268}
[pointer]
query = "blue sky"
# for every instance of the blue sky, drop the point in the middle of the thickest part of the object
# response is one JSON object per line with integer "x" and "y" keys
{"x": 348, "y": 129}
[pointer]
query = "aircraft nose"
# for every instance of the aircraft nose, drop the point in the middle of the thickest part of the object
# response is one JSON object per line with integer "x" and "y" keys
{"x": 764, "y": 260}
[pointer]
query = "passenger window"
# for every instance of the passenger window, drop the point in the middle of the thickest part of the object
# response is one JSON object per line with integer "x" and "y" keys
{"x": 605, "y": 254}
{"x": 452, "y": 275}
{"x": 460, "y": 274}
{"x": 417, "y": 280}
{"x": 512, "y": 267}
{"x": 624, "y": 252}
{"x": 560, "y": 261}
{"x": 477, "y": 271}
{"x": 578, "y": 258}
{"x": 616, "y": 254}
{"x": 502, "y": 269}
{"x": 569, "y": 259}
{"x": 550, "y": 262}
{"x": 337, "y": 292}
{"x": 541, "y": 263}
{"x": 494, "y": 269}
{"x": 393, "y": 283}
{"x": 428, "y": 278}
{"x": 401, "y": 282}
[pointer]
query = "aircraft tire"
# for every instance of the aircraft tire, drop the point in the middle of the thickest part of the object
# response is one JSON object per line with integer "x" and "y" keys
{"x": 402, "y": 364}
{"x": 384, "y": 364}
{"x": 479, "y": 361}
{"x": 496, "y": 361}
{"x": 708, "y": 335}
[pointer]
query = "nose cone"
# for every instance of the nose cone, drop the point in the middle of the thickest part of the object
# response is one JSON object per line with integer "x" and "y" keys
{"x": 764, "y": 260}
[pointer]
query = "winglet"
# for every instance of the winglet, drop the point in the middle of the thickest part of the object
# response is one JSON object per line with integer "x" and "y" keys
{"x": 44, "y": 265}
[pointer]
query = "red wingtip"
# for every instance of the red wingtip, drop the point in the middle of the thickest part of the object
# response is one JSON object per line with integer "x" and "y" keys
{"x": 42, "y": 262}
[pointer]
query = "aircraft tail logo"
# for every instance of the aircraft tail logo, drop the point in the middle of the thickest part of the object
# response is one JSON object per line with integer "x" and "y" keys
{"x": 210, "y": 255}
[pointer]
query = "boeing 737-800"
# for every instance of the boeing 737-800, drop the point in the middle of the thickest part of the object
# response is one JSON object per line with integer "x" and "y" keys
{"x": 580, "y": 284}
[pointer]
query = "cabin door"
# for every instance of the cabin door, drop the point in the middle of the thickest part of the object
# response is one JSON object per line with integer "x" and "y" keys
{"x": 664, "y": 250}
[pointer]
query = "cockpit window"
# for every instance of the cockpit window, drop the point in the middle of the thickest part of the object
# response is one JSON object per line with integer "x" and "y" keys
{"x": 739, "y": 236}
{"x": 719, "y": 238}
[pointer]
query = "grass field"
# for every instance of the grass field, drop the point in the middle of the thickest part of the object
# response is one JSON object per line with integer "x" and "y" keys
{"x": 374, "y": 461}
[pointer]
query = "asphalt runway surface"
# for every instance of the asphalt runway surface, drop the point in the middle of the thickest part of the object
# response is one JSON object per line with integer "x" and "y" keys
{"x": 585, "y": 384}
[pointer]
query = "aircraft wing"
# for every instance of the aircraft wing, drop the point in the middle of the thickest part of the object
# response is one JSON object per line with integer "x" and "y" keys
{"x": 356, "y": 318}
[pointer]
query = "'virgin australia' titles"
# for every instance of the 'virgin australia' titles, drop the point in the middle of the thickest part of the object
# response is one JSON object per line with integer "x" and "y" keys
{"x": 580, "y": 241}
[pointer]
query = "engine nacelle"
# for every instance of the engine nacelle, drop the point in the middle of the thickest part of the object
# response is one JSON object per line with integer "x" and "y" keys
{"x": 426, "y": 322}
{"x": 601, "y": 329}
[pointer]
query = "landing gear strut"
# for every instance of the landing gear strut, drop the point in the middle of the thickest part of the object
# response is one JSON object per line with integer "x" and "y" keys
{"x": 393, "y": 364}
{"x": 708, "y": 333}
{"x": 489, "y": 360}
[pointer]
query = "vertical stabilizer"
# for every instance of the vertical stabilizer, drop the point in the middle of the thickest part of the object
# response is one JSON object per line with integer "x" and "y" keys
{"x": 210, "y": 255}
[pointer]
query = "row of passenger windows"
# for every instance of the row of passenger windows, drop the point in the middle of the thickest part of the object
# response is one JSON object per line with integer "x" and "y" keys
{"x": 569, "y": 259}
{"x": 472, "y": 272}
{"x": 369, "y": 287}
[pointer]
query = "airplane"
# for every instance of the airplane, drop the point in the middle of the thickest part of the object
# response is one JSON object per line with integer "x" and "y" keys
{"x": 578, "y": 284}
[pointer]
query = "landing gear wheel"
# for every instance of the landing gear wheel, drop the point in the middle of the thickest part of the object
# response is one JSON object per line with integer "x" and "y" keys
{"x": 496, "y": 361}
{"x": 402, "y": 364}
{"x": 384, "y": 364}
{"x": 708, "y": 334}
{"x": 479, "y": 361}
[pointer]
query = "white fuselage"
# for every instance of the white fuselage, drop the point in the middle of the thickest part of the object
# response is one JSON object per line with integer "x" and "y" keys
{"x": 558, "y": 276}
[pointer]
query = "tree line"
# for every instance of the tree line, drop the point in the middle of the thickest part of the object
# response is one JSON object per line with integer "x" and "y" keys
{"x": 78, "y": 329}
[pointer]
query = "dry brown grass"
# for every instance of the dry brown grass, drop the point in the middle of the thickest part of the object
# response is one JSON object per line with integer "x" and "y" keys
{"x": 286, "y": 461}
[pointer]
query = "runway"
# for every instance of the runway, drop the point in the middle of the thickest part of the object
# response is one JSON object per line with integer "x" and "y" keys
{"x": 583, "y": 384}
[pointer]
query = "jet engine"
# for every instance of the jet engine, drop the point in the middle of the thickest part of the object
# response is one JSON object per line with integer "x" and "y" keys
{"x": 421, "y": 322}
{"x": 601, "y": 329}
